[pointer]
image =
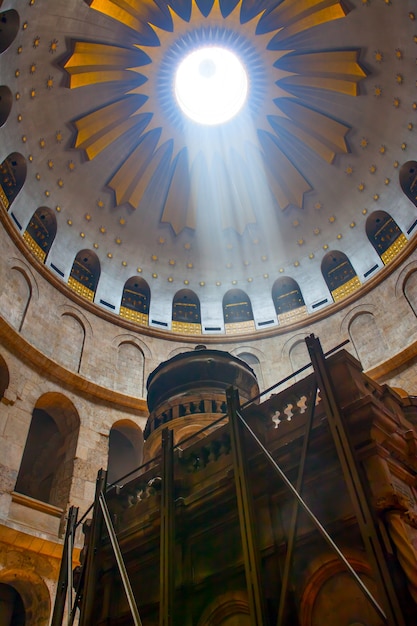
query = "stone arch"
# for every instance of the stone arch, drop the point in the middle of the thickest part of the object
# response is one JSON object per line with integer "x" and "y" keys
{"x": 410, "y": 291}
{"x": 47, "y": 463}
{"x": 33, "y": 592}
{"x": 385, "y": 235}
{"x": 12, "y": 177}
{"x": 125, "y": 450}
{"x": 237, "y": 311}
{"x": 6, "y": 100}
{"x": 136, "y": 299}
{"x": 16, "y": 298}
{"x": 253, "y": 362}
{"x": 331, "y": 595}
{"x": 338, "y": 272}
{"x": 407, "y": 269}
{"x": 408, "y": 180}
{"x": 40, "y": 232}
{"x": 367, "y": 339}
{"x": 9, "y": 27}
{"x": 299, "y": 356}
{"x": 229, "y": 609}
{"x": 69, "y": 346}
{"x": 186, "y": 312}
{"x": 85, "y": 274}
{"x": 12, "y": 610}
{"x": 176, "y": 351}
{"x": 130, "y": 369}
{"x": 4, "y": 377}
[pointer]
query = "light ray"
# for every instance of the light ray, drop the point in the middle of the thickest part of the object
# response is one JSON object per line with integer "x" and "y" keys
{"x": 265, "y": 42}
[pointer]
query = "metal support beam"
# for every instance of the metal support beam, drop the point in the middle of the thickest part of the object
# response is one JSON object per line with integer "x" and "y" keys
{"x": 294, "y": 516}
{"x": 89, "y": 593}
{"x": 315, "y": 521}
{"x": 250, "y": 548}
{"x": 352, "y": 477}
{"x": 166, "y": 571}
{"x": 64, "y": 585}
{"x": 119, "y": 560}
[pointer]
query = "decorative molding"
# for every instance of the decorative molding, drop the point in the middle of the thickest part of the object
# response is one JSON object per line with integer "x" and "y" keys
{"x": 37, "y": 505}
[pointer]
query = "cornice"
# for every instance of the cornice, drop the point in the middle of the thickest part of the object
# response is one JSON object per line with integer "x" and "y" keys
{"x": 12, "y": 340}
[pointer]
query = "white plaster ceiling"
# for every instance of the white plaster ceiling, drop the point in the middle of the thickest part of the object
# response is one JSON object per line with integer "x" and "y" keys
{"x": 206, "y": 246}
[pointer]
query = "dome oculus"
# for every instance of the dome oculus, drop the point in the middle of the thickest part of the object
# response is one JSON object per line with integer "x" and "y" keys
{"x": 211, "y": 85}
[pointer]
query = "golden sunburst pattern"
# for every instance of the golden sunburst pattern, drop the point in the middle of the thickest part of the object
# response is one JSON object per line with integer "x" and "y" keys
{"x": 273, "y": 45}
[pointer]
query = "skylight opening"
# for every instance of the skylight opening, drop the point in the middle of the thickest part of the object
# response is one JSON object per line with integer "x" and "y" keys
{"x": 211, "y": 85}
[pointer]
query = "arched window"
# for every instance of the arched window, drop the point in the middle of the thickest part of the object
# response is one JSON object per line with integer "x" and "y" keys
{"x": 12, "y": 176}
{"x": 385, "y": 235}
{"x": 288, "y": 300}
{"x": 237, "y": 312}
{"x": 186, "y": 316}
{"x": 125, "y": 450}
{"x": 40, "y": 232}
{"x": 339, "y": 274}
{"x": 5, "y": 104}
{"x": 136, "y": 299}
{"x": 9, "y": 26}
{"x": 85, "y": 273}
{"x": 408, "y": 180}
{"x": 47, "y": 463}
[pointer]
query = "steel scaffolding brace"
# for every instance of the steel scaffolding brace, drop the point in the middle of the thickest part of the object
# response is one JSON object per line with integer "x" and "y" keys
{"x": 166, "y": 559}
{"x": 64, "y": 586}
{"x": 370, "y": 536}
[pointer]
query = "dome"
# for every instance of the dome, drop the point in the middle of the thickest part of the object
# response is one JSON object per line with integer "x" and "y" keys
{"x": 243, "y": 227}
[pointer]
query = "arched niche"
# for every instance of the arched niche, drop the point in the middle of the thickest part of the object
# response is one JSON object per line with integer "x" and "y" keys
{"x": 16, "y": 298}
{"x": 12, "y": 610}
{"x": 4, "y": 377}
{"x": 70, "y": 340}
{"x": 40, "y": 232}
{"x": 408, "y": 180}
{"x": 288, "y": 300}
{"x": 229, "y": 609}
{"x": 6, "y": 100}
{"x": 253, "y": 362}
{"x": 136, "y": 300}
{"x": 299, "y": 357}
{"x": 130, "y": 368}
{"x": 339, "y": 274}
{"x": 410, "y": 290}
{"x": 237, "y": 311}
{"x": 331, "y": 595}
{"x": 125, "y": 450}
{"x": 385, "y": 235}
{"x": 186, "y": 314}
{"x": 85, "y": 274}
{"x": 9, "y": 27}
{"x": 28, "y": 590}
{"x": 367, "y": 339}
{"x": 12, "y": 177}
{"x": 47, "y": 463}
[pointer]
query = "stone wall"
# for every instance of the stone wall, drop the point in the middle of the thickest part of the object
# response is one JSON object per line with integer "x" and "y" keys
{"x": 53, "y": 345}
